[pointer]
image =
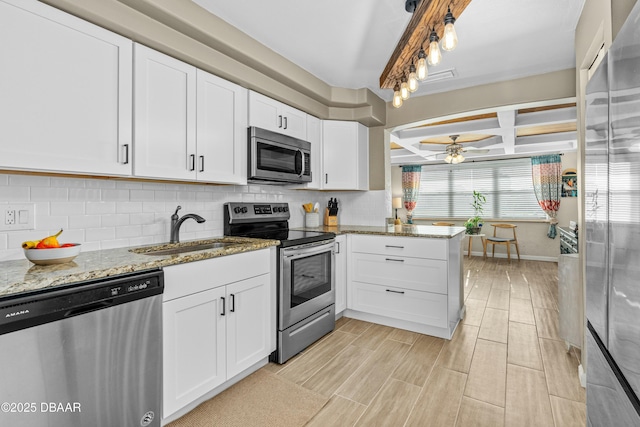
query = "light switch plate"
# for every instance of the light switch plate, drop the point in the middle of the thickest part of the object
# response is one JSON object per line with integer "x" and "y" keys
{"x": 17, "y": 217}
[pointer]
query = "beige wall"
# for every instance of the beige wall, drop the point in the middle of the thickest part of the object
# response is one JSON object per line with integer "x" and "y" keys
{"x": 532, "y": 236}
{"x": 544, "y": 87}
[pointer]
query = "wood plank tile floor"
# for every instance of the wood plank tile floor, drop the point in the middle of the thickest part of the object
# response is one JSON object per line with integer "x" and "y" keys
{"x": 505, "y": 366}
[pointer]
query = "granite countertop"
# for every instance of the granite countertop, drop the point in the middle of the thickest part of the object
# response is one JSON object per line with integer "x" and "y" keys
{"x": 406, "y": 230}
{"x": 20, "y": 276}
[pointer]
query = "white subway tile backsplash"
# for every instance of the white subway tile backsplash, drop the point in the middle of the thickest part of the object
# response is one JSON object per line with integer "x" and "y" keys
{"x": 115, "y": 220}
{"x": 165, "y": 196}
{"x": 142, "y": 195}
{"x": 67, "y": 208}
{"x": 14, "y": 194}
{"x": 84, "y": 221}
{"x": 141, "y": 218}
{"x": 109, "y": 195}
{"x": 29, "y": 181}
{"x": 68, "y": 182}
{"x": 128, "y": 207}
{"x": 49, "y": 194}
{"x": 100, "y": 234}
{"x": 85, "y": 194}
{"x": 104, "y": 214}
{"x": 98, "y": 208}
{"x": 128, "y": 231}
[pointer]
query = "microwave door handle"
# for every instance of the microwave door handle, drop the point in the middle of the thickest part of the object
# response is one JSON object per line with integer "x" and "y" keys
{"x": 301, "y": 162}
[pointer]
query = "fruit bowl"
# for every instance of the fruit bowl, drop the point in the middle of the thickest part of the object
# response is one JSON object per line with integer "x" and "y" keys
{"x": 51, "y": 256}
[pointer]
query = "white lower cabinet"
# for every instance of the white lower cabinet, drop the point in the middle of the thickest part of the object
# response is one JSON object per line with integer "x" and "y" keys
{"x": 412, "y": 283}
{"x": 341, "y": 274}
{"x": 217, "y": 323}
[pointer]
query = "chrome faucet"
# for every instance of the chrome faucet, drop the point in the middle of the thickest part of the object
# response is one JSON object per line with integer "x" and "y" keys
{"x": 176, "y": 222}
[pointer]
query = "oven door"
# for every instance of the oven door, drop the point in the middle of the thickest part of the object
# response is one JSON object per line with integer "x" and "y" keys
{"x": 307, "y": 278}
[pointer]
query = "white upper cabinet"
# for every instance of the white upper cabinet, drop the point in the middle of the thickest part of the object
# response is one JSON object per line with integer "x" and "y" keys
{"x": 190, "y": 124}
{"x": 221, "y": 130}
{"x": 275, "y": 116}
{"x": 345, "y": 156}
{"x": 314, "y": 136}
{"x": 165, "y": 116}
{"x": 65, "y": 88}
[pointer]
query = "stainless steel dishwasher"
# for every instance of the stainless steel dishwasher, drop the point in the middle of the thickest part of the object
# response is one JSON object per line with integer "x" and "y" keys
{"x": 85, "y": 355}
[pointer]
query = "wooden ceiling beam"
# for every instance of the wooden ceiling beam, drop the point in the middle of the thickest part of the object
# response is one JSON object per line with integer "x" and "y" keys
{"x": 428, "y": 14}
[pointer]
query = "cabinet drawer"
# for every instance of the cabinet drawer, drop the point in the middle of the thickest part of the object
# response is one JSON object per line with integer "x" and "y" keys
{"x": 414, "y": 306}
{"x": 405, "y": 246}
{"x": 410, "y": 273}
{"x": 192, "y": 277}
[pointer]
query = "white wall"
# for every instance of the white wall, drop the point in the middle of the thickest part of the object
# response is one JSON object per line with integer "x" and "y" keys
{"x": 107, "y": 213}
{"x": 532, "y": 236}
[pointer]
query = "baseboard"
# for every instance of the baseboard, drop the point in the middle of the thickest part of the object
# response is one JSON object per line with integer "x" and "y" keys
{"x": 515, "y": 257}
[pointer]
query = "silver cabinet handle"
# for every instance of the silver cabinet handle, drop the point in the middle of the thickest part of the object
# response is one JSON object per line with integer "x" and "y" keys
{"x": 338, "y": 247}
{"x": 395, "y": 292}
{"x": 201, "y": 163}
{"x": 396, "y": 247}
{"x": 223, "y": 306}
{"x": 285, "y": 122}
{"x": 395, "y": 260}
{"x": 280, "y": 121}
{"x": 192, "y": 159}
{"x": 326, "y": 178}
{"x": 126, "y": 154}
{"x": 233, "y": 303}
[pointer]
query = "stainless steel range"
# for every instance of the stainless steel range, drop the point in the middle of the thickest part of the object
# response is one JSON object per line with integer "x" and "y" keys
{"x": 306, "y": 276}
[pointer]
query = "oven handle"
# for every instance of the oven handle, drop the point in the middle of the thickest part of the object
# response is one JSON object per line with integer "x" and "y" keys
{"x": 309, "y": 249}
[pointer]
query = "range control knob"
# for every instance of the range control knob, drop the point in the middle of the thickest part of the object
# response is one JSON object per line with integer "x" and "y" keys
{"x": 237, "y": 210}
{"x": 277, "y": 209}
{"x": 244, "y": 209}
{"x": 285, "y": 209}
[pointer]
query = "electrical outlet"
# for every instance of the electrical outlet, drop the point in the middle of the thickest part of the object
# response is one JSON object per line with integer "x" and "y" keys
{"x": 18, "y": 217}
{"x": 9, "y": 217}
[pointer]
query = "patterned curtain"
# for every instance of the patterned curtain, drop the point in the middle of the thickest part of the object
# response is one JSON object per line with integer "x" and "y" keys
{"x": 547, "y": 184}
{"x": 410, "y": 187}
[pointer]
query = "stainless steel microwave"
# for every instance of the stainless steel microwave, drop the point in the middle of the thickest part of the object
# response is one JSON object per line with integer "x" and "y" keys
{"x": 277, "y": 158}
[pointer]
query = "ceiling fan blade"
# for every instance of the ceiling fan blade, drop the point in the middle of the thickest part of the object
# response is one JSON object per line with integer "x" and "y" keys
{"x": 473, "y": 150}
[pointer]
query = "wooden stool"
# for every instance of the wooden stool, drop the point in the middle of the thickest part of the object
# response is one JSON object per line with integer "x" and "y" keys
{"x": 507, "y": 241}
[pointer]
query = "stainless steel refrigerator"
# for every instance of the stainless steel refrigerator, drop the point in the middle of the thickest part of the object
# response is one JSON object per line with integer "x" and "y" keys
{"x": 612, "y": 235}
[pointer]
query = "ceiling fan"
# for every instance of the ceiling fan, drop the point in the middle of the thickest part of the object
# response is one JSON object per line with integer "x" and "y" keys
{"x": 454, "y": 151}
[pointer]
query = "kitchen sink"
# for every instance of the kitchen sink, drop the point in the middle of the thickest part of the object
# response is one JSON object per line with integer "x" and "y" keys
{"x": 179, "y": 248}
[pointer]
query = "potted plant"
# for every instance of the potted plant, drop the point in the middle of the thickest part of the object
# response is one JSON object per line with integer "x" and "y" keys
{"x": 474, "y": 224}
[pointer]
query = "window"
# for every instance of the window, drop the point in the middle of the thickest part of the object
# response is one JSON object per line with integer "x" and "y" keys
{"x": 446, "y": 191}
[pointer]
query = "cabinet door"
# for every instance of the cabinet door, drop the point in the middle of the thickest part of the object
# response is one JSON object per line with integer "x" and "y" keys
{"x": 294, "y": 122}
{"x": 165, "y": 120}
{"x": 264, "y": 112}
{"x": 66, "y": 92}
{"x": 344, "y": 156}
{"x": 193, "y": 347}
{"x": 248, "y": 323}
{"x": 275, "y": 116}
{"x": 221, "y": 130}
{"x": 341, "y": 273}
{"x": 314, "y": 136}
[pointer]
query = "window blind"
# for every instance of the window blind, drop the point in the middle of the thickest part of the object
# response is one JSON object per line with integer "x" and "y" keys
{"x": 446, "y": 191}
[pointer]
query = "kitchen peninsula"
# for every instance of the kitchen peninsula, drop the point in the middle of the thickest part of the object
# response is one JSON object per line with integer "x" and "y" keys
{"x": 403, "y": 276}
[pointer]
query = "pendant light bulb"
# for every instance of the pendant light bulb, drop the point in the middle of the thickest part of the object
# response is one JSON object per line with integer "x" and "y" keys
{"x": 449, "y": 158}
{"x": 435, "y": 56}
{"x": 404, "y": 89}
{"x": 413, "y": 79}
{"x": 421, "y": 70}
{"x": 449, "y": 38}
{"x": 397, "y": 99}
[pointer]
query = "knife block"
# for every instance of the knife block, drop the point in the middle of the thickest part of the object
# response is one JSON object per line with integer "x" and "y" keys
{"x": 330, "y": 220}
